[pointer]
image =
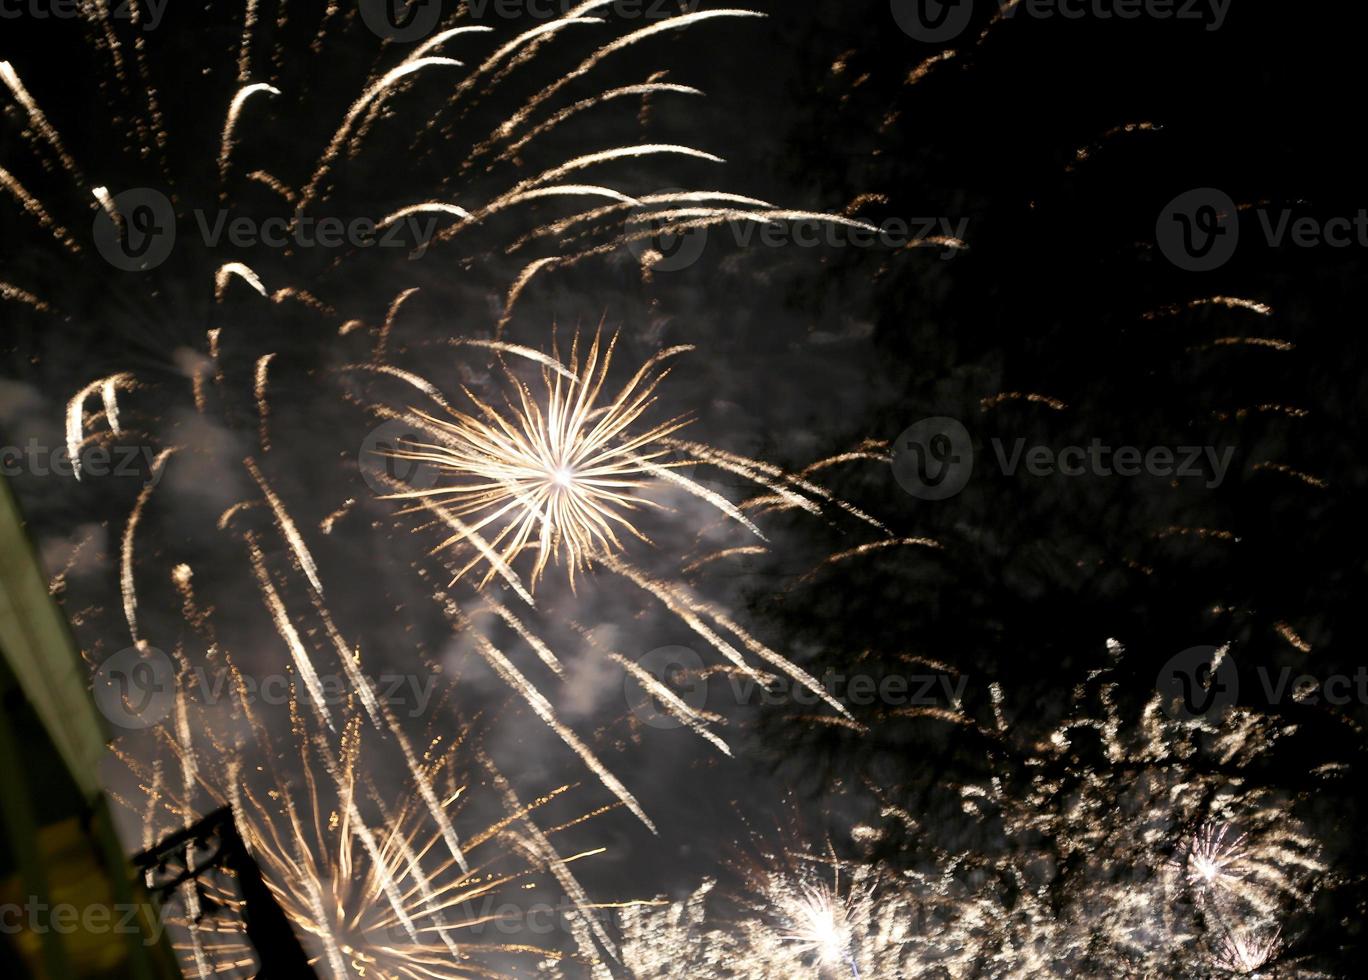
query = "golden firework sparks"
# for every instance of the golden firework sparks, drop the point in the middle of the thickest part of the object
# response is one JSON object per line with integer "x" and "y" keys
{"x": 560, "y": 477}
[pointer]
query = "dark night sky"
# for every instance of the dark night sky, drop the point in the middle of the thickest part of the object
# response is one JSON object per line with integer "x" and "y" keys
{"x": 801, "y": 353}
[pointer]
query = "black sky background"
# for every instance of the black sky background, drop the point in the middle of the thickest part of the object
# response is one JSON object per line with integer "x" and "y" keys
{"x": 803, "y": 353}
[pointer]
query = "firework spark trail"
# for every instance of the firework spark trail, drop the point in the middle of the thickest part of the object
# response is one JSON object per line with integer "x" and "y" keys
{"x": 225, "y": 274}
{"x": 376, "y": 91}
{"x": 35, "y": 209}
{"x": 288, "y": 633}
{"x": 539, "y": 646}
{"x": 423, "y": 385}
{"x": 262, "y": 377}
{"x": 644, "y": 89}
{"x": 529, "y": 40}
{"x": 227, "y": 141}
{"x": 677, "y": 708}
{"x": 75, "y": 414}
{"x": 348, "y": 900}
{"x": 468, "y": 534}
{"x": 562, "y": 225}
{"x": 544, "y": 710}
{"x": 542, "y": 850}
{"x": 127, "y": 586}
{"x": 379, "y": 714}
{"x": 13, "y": 293}
{"x": 287, "y": 528}
{"x": 767, "y": 475}
{"x": 516, "y": 120}
{"x": 40, "y": 122}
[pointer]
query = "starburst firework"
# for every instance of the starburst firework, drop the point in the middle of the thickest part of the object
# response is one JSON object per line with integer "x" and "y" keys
{"x": 559, "y": 473}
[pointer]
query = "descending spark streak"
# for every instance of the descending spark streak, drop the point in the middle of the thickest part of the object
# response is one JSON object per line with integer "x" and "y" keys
{"x": 674, "y": 23}
{"x": 263, "y": 367}
{"x": 245, "y": 49}
{"x": 426, "y": 207}
{"x": 288, "y": 633}
{"x": 515, "y": 679}
{"x": 541, "y": 848}
{"x": 39, "y": 120}
{"x": 678, "y": 708}
{"x": 426, "y": 387}
{"x": 287, "y": 527}
{"x": 531, "y": 639}
{"x": 603, "y": 156}
{"x": 674, "y": 603}
{"x": 496, "y": 561}
{"x": 229, "y": 269}
{"x": 75, "y": 414}
{"x": 359, "y": 682}
{"x": 765, "y": 474}
{"x": 12, "y": 292}
{"x": 646, "y": 88}
{"x": 358, "y": 107}
{"x": 102, "y": 195}
{"x": 35, "y": 208}
{"x": 227, "y": 142}
{"x": 685, "y": 607}
{"x": 530, "y": 39}
{"x": 127, "y": 586}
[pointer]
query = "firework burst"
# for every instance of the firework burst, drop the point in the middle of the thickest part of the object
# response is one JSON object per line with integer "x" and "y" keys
{"x": 560, "y": 474}
{"x": 363, "y": 875}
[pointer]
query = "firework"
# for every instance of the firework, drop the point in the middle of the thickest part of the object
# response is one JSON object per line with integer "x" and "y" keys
{"x": 363, "y": 876}
{"x": 808, "y": 916}
{"x": 556, "y": 473}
